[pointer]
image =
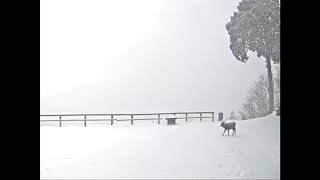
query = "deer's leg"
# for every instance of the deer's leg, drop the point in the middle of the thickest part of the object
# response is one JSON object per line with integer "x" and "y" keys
{"x": 235, "y": 131}
{"x": 224, "y": 131}
{"x": 228, "y": 132}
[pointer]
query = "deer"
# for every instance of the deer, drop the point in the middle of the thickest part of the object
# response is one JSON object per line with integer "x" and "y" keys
{"x": 228, "y": 126}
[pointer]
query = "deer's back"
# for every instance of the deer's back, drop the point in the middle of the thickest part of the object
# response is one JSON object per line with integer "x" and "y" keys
{"x": 230, "y": 125}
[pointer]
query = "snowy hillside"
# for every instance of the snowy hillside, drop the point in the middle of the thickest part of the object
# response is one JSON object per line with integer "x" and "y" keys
{"x": 183, "y": 151}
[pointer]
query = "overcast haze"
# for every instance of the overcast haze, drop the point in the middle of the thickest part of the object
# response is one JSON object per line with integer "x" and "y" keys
{"x": 140, "y": 56}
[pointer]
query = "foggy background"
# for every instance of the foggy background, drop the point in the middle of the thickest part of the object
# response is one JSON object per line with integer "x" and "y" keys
{"x": 140, "y": 56}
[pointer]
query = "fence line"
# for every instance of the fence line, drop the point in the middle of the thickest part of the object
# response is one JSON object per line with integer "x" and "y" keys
{"x": 111, "y": 117}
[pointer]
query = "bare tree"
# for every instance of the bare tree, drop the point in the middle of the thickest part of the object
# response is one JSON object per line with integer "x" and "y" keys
{"x": 257, "y": 101}
{"x": 242, "y": 115}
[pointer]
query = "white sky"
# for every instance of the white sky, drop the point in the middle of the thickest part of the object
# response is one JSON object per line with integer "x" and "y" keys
{"x": 136, "y": 56}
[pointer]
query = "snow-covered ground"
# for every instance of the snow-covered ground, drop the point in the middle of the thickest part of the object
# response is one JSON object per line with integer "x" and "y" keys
{"x": 184, "y": 151}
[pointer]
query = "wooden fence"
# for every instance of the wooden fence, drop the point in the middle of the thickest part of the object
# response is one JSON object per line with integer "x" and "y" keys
{"x": 128, "y": 117}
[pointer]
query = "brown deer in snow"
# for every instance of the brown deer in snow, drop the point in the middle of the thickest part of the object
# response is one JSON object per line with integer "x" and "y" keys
{"x": 228, "y": 126}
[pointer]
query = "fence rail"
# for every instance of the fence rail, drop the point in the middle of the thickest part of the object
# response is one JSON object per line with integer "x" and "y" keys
{"x": 117, "y": 117}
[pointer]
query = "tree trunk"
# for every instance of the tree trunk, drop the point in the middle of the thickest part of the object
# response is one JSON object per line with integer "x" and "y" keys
{"x": 270, "y": 88}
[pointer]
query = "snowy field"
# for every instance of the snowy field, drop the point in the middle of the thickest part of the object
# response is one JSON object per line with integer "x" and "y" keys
{"x": 193, "y": 150}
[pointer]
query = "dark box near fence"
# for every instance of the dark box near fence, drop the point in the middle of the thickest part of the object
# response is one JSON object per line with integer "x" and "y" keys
{"x": 220, "y": 117}
{"x": 171, "y": 120}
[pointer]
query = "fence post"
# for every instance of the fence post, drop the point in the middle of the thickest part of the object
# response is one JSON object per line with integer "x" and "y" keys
{"x": 158, "y": 118}
{"x": 186, "y": 117}
{"x": 200, "y": 116}
{"x": 213, "y": 117}
{"x": 131, "y": 119}
{"x": 60, "y": 120}
{"x": 85, "y": 120}
{"x": 111, "y": 119}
